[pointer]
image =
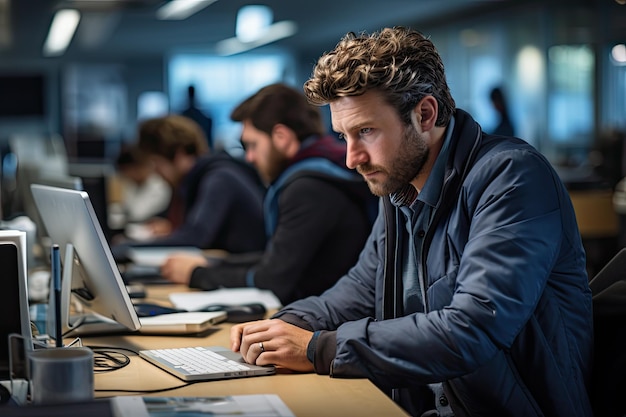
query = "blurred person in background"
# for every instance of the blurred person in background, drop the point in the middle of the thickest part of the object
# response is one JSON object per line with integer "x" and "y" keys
{"x": 317, "y": 211}
{"x": 217, "y": 201}
{"x": 144, "y": 193}
{"x": 500, "y": 105}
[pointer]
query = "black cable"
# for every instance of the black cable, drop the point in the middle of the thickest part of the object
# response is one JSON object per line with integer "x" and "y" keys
{"x": 111, "y": 359}
{"x": 107, "y": 359}
{"x": 75, "y": 325}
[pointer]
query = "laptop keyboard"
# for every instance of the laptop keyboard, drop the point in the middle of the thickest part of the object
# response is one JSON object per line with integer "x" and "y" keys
{"x": 196, "y": 361}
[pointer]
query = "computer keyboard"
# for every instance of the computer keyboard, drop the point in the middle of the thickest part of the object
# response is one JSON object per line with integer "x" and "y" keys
{"x": 198, "y": 360}
{"x": 203, "y": 363}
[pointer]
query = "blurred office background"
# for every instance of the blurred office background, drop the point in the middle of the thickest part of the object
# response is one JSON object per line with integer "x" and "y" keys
{"x": 560, "y": 64}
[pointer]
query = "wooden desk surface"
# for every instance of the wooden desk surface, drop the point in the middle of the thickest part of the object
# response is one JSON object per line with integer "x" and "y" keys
{"x": 305, "y": 394}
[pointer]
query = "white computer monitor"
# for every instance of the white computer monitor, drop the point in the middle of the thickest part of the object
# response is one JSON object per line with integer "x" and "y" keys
{"x": 53, "y": 180}
{"x": 90, "y": 275}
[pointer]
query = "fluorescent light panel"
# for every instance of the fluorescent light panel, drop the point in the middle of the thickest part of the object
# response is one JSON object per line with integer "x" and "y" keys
{"x": 61, "y": 31}
{"x": 273, "y": 33}
{"x": 181, "y": 9}
{"x": 252, "y": 22}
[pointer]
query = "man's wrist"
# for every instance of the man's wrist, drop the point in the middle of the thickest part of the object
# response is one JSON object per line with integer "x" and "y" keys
{"x": 310, "y": 349}
{"x": 323, "y": 348}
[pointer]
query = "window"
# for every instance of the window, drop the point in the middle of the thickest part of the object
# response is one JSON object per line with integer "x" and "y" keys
{"x": 571, "y": 94}
{"x": 221, "y": 83}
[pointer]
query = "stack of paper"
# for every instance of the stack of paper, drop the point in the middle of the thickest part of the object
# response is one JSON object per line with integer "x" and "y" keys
{"x": 195, "y": 301}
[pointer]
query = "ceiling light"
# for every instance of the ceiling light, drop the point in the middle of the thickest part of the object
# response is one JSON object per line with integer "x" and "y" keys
{"x": 61, "y": 31}
{"x": 273, "y": 33}
{"x": 181, "y": 9}
{"x": 252, "y": 22}
{"x": 618, "y": 53}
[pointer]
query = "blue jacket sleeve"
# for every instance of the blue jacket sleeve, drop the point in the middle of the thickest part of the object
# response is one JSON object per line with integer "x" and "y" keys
{"x": 514, "y": 236}
{"x": 511, "y": 206}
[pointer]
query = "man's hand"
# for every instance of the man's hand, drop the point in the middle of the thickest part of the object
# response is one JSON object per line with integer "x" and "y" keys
{"x": 179, "y": 266}
{"x": 159, "y": 226}
{"x": 266, "y": 342}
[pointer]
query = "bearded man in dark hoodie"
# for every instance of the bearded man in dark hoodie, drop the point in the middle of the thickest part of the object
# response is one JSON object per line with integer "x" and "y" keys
{"x": 318, "y": 213}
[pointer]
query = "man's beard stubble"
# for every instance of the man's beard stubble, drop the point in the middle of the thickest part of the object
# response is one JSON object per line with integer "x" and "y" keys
{"x": 276, "y": 164}
{"x": 412, "y": 157}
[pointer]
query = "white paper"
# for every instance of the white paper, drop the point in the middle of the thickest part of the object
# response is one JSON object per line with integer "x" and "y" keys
{"x": 193, "y": 317}
{"x": 193, "y": 301}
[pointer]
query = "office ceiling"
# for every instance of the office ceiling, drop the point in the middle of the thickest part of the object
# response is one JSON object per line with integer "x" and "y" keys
{"x": 129, "y": 28}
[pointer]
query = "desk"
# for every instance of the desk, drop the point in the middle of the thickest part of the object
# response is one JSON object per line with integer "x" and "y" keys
{"x": 595, "y": 214}
{"x": 305, "y": 394}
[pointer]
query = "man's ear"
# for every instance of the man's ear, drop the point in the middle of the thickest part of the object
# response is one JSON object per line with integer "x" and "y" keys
{"x": 283, "y": 137}
{"x": 424, "y": 114}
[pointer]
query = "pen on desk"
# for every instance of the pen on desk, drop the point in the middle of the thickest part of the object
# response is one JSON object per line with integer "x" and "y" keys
{"x": 56, "y": 276}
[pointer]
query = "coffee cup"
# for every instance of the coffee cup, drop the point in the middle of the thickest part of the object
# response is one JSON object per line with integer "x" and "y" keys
{"x": 61, "y": 375}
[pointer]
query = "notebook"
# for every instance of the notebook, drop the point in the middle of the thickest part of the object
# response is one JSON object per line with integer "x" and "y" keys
{"x": 204, "y": 363}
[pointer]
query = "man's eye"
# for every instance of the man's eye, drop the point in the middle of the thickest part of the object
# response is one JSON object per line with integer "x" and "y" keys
{"x": 341, "y": 136}
{"x": 365, "y": 131}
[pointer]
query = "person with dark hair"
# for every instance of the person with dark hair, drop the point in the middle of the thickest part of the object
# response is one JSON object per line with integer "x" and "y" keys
{"x": 504, "y": 126}
{"x": 194, "y": 113}
{"x": 220, "y": 198}
{"x": 470, "y": 297}
{"x": 317, "y": 211}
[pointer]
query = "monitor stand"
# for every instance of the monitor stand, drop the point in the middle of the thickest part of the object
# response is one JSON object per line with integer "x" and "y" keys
{"x": 75, "y": 320}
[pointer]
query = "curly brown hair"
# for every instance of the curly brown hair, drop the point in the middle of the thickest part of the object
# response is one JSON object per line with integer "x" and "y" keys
{"x": 164, "y": 136}
{"x": 399, "y": 62}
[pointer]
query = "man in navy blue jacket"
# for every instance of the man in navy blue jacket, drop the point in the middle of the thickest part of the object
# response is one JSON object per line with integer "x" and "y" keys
{"x": 471, "y": 296}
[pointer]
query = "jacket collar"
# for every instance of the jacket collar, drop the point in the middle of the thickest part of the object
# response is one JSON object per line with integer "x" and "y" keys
{"x": 464, "y": 145}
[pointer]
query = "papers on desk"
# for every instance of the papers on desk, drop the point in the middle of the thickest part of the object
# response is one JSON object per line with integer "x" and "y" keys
{"x": 268, "y": 405}
{"x": 194, "y": 301}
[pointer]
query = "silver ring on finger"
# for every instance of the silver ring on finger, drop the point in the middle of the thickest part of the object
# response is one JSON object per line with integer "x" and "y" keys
{"x": 261, "y": 347}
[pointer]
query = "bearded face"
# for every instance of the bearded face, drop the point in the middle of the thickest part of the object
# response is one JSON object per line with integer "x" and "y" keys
{"x": 406, "y": 164}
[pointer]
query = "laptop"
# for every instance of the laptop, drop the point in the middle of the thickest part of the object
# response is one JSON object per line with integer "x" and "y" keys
{"x": 609, "y": 287}
{"x": 612, "y": 272}
{"x": 155, "y": 256}
{"x": 182, "y": 323}
{"x": 204, "y": 363}
{"x": 146, "y": 262}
